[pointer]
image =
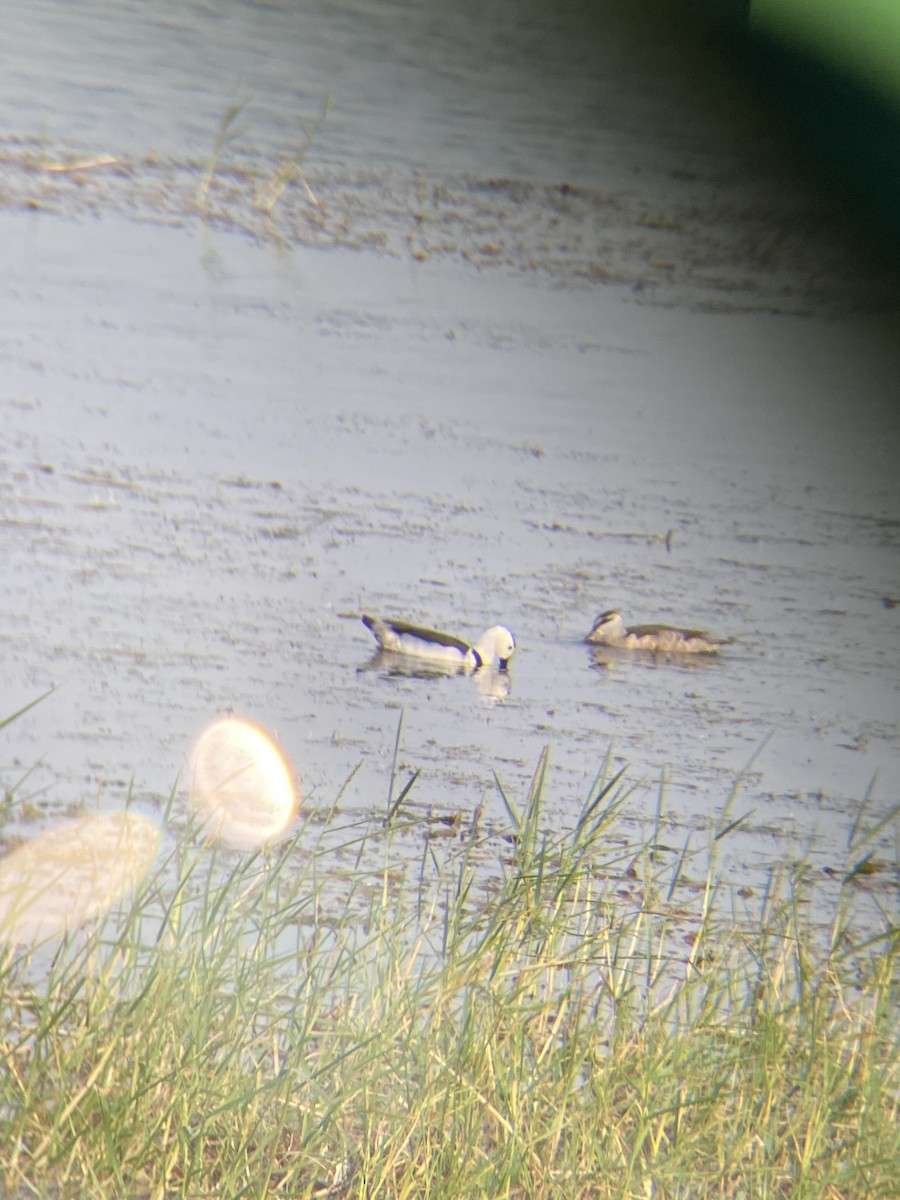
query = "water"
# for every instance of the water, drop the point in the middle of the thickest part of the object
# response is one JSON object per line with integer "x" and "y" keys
{"x": 217, "y": 450}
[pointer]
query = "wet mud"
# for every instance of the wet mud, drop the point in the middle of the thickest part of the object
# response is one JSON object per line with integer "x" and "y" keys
{"x": 680, "y": 247}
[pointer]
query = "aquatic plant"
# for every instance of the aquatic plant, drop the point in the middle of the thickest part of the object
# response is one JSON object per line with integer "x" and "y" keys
{"x": 592, "y": 1022}
{"x": 287, "y": 170}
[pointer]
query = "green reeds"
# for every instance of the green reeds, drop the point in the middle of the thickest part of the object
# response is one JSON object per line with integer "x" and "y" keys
{"x": 227, "y": 132}
{"x": 288, "y": 170}
{"x": 290, "y": 166}
{"x": 576, "y": 1026}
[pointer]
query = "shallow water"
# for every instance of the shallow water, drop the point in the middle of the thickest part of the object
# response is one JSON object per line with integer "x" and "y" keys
{"x": 216, "y": 452}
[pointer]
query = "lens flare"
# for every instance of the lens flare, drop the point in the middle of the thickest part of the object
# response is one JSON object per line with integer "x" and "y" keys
{"x": 73, "y": 873}
{"x": 240, "y": 784}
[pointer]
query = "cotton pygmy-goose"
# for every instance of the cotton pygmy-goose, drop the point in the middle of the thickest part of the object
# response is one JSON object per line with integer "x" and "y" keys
{"x": 610, "y": 630}
{"x": 496, "y": 644}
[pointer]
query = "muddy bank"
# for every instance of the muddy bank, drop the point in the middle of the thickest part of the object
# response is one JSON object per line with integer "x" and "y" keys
{"x": 718, "y": 243}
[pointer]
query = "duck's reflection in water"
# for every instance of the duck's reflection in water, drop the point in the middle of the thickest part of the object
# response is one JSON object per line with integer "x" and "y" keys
{"x": 492, "y": 685}
{"x": 616, "y": 660}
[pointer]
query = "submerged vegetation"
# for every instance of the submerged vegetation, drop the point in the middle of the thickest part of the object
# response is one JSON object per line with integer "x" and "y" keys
{"x": 576, "y": 1029}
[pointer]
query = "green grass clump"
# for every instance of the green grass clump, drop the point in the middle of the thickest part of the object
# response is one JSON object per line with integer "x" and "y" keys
{"x": 282, "y": 1024}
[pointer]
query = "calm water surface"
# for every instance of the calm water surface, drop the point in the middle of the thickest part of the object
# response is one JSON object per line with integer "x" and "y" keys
{"x": 217, "y": 451}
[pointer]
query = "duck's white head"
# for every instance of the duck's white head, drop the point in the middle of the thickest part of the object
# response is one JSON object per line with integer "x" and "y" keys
{"x": 608, "y": 625}
{"x": 496, "y": 644}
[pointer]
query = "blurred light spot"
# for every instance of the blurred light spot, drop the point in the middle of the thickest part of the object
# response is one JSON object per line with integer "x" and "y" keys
{"x": 73, "y": 873}
{"x": 862, "y": 39}
{"x": 240, "y": 784}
